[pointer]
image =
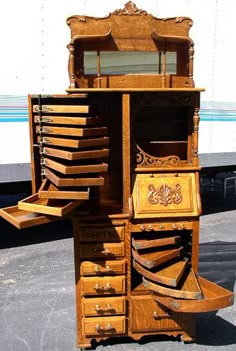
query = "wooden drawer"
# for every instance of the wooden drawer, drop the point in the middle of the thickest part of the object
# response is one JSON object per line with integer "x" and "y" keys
{"x": 101, "y": 233}
{"x": 103, "y": 285}
{"x": 147, "y": 315}
{"x": 48, "y": 206}
{"x": 104, "y": 306}
{"x": 102, "y": 250}
{"x": 102, "y": 267}
{"x": 159, "y": 227}
{"x": 77, "y": 132}
{"x": 104, "y": 325}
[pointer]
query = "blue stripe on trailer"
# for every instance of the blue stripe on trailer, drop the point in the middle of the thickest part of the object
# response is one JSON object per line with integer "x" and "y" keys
{"x": 13, "y": 108}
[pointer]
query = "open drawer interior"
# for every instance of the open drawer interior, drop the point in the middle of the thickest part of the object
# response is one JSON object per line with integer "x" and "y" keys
{"x": 214, "y": 297}
{"x": 24, "y": 219}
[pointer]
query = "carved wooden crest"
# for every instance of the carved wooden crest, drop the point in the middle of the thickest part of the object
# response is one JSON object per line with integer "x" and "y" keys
{"x": 164, "y": 195}
{"x": 129, "y": 10}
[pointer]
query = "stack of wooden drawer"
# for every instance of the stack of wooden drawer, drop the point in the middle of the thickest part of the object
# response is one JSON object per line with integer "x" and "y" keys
{"x": 101, "y": 277}
{"x": 72, "y": 145}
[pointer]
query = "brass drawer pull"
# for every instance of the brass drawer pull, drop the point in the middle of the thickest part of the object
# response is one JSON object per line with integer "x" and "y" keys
{"x": 106, "y": 308}
{"x": 106, "y": 251}
{"x": 156, "y": 315}
{"x": 97, "y": 268}
{"x": 47, "y": 130}
{"x": 107, "y": 327}
{"x": 103, "y": 287}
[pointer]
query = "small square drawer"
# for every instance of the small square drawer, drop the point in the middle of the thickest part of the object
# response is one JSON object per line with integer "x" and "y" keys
{"x": 105, "y": 325}
{"x": 102, "y": 250}
{"x": 104, "y": 306}
{"x": 103, "y": 267}
{"x": 148, "y": 315}
{"x": 103, "y": 285}
{"x": 102, "y": 233}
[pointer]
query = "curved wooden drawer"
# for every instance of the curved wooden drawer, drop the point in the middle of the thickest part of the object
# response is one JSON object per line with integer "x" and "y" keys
{"x": 214, "y": 298}
{"x": 153, "y": 259}
{"x": 103, "y": 267}
{"x": 169, "y": 275}
{"x": 104, "y": 325}
{"x": 188, "y": 288}
{"x": 104, "y": 306}
{"x": 103, "y": 285}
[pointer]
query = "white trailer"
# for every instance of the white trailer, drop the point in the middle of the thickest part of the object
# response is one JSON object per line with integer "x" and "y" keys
{"x": 34, "y": 59}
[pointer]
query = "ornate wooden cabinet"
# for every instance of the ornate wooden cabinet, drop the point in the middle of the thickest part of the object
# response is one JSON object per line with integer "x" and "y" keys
{"x": 118, "y": 154}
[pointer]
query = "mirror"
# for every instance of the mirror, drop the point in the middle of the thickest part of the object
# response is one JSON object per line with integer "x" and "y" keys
{"x": 129, "y": 62}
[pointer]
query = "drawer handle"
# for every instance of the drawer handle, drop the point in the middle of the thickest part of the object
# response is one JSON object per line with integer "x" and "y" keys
{"x": 105, "y": 252}
{"x": 107, "y": 327}
{"x": 47, "y": 130}
{"x": 156, "y": 315}
{"x": 106, "y": 308}
{"x": 106, "y": 287}
{"x": 97, "y": 269}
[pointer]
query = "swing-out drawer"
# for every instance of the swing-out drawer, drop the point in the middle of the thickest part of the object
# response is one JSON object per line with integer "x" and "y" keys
{"x": 70, "y": 131}
{"x": 65, "y": 168}
{"x": 48, "y": 206}
{"x": 62, "y": 181}
{"x": 24, "y": 219}
{"x": 50, "y": 191}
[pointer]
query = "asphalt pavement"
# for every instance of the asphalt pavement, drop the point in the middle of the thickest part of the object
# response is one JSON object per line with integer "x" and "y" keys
{"x": 37, "y": 293}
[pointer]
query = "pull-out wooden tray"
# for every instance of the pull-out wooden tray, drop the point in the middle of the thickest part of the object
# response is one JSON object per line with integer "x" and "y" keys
{"x": 69, "y": 181}
{"x": 70, "y": 131}
{"x": 166, "y": 195}
{"x": 62, "y": 108}
{"x": 145, "y": 244}
{"x": 24, "y": 219}
{"x": 214, "y": 298}
{"x": 74, "y": 143}
{"x": 76, "y": 155}
{"x": 83, "y": 121}
{"x": 50, "y": 191}
{"x": 153, "y": 259}
{"x": 169, "y": 275}
{"x": 75, "y": 169}
{"x": 189, "y": 287}
{"x": 48, "y": 206}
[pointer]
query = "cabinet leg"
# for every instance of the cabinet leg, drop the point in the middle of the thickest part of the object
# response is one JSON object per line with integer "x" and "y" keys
{"x": 187, "y": 338}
